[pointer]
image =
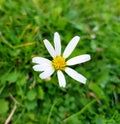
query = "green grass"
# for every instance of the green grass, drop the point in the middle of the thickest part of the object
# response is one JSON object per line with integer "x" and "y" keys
{"x": 23, "y": 26}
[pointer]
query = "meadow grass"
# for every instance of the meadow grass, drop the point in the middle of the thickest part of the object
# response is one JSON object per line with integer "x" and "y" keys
{"x": 23, "y": 26}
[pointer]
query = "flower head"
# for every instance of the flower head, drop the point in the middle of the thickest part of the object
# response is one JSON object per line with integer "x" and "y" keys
{"x": 59, "y": 61}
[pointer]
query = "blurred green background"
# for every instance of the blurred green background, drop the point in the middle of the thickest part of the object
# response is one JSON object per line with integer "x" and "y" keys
{"x": 23, "y": 26}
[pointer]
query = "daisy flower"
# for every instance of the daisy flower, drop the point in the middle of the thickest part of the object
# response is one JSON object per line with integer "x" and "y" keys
{"x": 59, "y": 61}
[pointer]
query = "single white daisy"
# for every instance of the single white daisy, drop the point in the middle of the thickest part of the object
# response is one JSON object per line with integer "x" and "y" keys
{"x": 59, "y": 61}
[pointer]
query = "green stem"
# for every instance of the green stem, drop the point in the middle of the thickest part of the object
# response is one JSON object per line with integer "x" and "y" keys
{"x": 24, "y": 31}
{"x": 5, "y": 41}
{"x": 81, "y": 111}
{"x": 48, "y": 120}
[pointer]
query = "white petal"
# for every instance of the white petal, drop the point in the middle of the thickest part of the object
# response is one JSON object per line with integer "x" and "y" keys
{"x": 40, "y": 60}
{"x": 71, "y": 46}
{"x": 42, "y": 67}
{"x": 57, "y": 44}
{"x": 50, "y": 48}
{"x": 47, "y": 73}
{"x": 61, "y": 79}
{"x": 75, "y": 75}
{"x": 78, "y": 59}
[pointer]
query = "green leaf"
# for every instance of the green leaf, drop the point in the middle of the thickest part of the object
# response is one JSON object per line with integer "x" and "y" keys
{"x": 12, "y": 77}
{"x": 40, "y": 92}
{"x": 31, "y": 116}
{"x": 100, "y": 120}
{"x": 3, "y": 106}
{"x": 31, "y": 95}
{"x": 97, "y": 90}
{"x": 22, "y": 81}
{"x": 30, "y": 105}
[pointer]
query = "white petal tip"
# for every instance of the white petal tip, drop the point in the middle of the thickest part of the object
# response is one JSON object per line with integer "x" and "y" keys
{"x": 56, "y": 33}
{"x": 45, "y": 40}
{"x": 41, "y": 77}
{"x": 84, "y": 81}
{"x": 77, "y": 37}
{"x": 62, "y": 86}
{"x": 34, "y": 68}
{"x": 35, "y": 59}
{"x": 89, "y": 57}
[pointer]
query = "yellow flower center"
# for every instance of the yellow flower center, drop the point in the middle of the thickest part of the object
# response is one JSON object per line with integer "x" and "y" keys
{"x": 59, "y": 63}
